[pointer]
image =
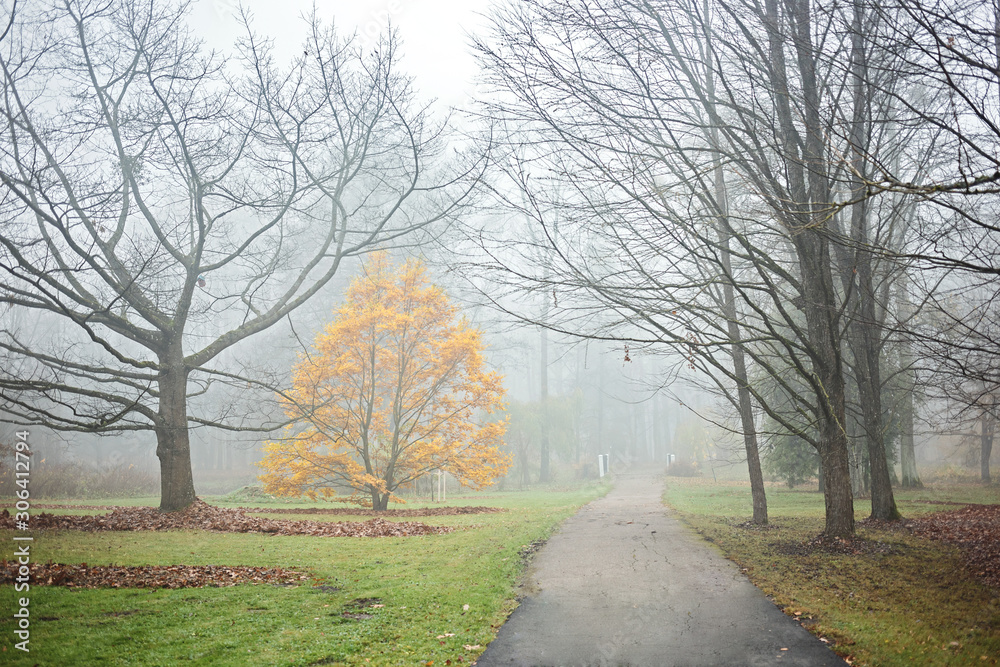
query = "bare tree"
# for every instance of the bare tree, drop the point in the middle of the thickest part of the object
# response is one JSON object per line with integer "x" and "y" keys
{"x": 162, "y": 204}
{"x": 952, "y": 47}
{"x": 619, "y": 106}
{"x": 746, "y": 183}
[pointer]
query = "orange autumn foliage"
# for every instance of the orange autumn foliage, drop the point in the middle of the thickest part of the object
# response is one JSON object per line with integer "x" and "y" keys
{"x": 394, "y": 387}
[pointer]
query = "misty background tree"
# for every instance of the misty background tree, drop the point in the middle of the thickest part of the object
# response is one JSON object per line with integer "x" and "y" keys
{"x": 950, "y": 50}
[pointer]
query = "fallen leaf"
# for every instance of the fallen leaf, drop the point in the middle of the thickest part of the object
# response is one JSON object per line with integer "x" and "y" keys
{"x": 201, "y": 515}
{"x": 975, "y": 529}
{"x": 149, "y": 576}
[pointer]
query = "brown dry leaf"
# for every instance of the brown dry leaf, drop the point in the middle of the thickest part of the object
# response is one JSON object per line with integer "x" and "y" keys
{"x": 976, "y": 531}
{"x": 207, "y": 517}
{"x": 149, "y": 576}
{"x": 426, "y": 511}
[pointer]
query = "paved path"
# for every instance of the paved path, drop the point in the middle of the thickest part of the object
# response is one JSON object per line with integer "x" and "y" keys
{"x": 624, "y": 583}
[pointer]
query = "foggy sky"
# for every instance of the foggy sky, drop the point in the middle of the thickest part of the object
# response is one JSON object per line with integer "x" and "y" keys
{"x": 434, "y": 33}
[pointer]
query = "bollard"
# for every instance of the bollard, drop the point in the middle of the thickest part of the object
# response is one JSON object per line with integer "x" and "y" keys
{"x": 603, "y": 461}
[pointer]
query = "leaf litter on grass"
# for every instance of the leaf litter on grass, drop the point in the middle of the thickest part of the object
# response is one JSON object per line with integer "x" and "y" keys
{"x": 457, "y": 510}
{"x": 148, "y": 576}
{"x": 201, "y": 515}
{"x": 975, "y": 529}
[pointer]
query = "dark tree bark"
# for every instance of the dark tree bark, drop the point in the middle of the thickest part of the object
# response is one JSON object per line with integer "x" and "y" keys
{"x": 910, "y": 478}
{"x": 744, "y": 403}
{"x": 745, "y": 407}
{"x": 543, "y": 471}
{"x": 380, "y": 501}
{"x": 173, "y": 446}
{"x": 865, "y": 331}
{"x": 907, "y": 453}
{"x": 988, "y": 426}
{"x": 805, "y": 160}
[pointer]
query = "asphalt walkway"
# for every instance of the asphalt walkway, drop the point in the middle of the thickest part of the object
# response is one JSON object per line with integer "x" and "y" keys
{"x": 622, "y": 582}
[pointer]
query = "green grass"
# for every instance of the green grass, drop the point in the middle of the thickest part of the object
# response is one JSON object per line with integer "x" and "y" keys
{"x": 915, "y": 605}
{"x": 422, "y": 584}
{"x": 138, "y": 501}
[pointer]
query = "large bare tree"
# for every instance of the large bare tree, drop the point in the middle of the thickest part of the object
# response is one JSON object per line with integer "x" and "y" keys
{"x": 161, "y": 204}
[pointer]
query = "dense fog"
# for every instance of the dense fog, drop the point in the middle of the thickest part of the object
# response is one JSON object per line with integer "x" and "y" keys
{"x": 694, "y": 237}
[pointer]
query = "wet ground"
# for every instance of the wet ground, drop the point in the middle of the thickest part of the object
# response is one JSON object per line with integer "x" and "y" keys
{"x": 623, "y": 582}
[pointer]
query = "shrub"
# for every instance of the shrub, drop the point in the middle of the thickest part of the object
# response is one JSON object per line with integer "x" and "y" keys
{"x": 683, "y": 468}
{"x": 791, "y": 459}
{"x": 250, "y": 493}
{"x": 585, "y": 470}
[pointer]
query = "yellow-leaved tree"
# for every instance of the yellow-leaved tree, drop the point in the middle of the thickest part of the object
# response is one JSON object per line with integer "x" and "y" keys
{"x": 394, "y": 387}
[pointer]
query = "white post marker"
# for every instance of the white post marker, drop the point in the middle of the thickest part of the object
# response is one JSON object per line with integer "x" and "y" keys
{"x": 603, "y": 464}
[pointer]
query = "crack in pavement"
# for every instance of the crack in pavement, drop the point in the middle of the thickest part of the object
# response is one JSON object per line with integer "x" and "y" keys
{"x": 668, "y": 600}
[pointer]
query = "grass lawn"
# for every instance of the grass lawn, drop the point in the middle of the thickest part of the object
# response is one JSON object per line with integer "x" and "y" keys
{"x": 374, "y": 601}
{"x": 904, "y": 601}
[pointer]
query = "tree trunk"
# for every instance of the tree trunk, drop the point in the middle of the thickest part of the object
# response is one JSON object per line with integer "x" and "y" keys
{"x": 865, "y": 340}
{"x": 989, "y": 427}
{"x": 806, "y": 215}
{"x": 822, "y": 321}
{"x": 869, "y": 393}
{"x": 837, "y": 491}
{"x": 543, "y": 472}
{"x": 173, "y": 446}
{"x": 757, "y": 492}
{"x": 744, "y": 405}
{"x": 865, "y": 332}
{"x": 858, "y": 479}
{"x": 380, "y": 501}
{"x": 828, "y": 377}
{"x": 907, "y": 453}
